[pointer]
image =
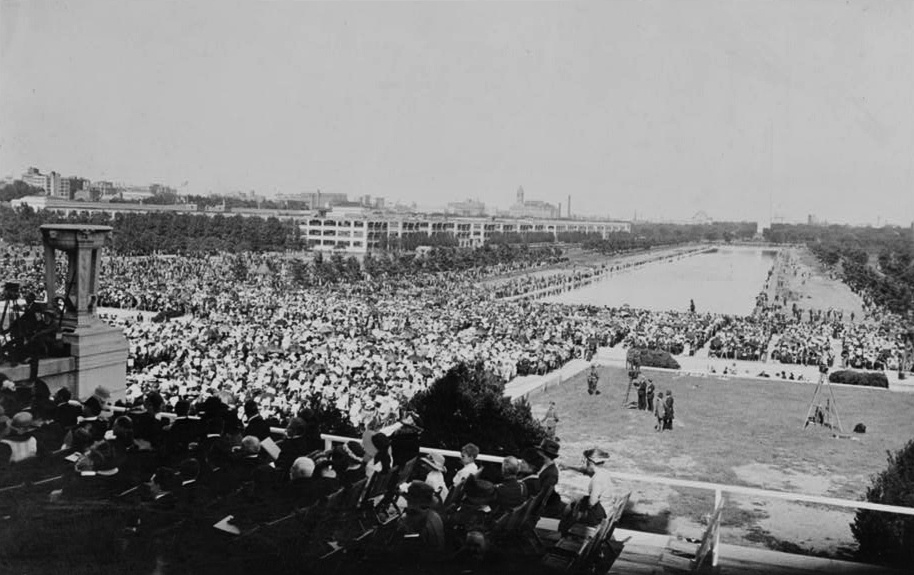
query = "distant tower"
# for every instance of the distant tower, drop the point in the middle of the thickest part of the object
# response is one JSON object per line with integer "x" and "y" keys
{"x": 569, "y": 205}
{"x": 520, "y": 195}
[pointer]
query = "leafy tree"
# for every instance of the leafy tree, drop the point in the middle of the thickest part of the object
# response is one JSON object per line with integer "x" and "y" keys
{"x": 18, "y": 189}
{"x": 467, "y": 405}
{"x": 885, "y": 537}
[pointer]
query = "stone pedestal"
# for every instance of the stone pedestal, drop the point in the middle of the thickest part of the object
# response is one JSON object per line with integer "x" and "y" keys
{"x": 99, "y": 350}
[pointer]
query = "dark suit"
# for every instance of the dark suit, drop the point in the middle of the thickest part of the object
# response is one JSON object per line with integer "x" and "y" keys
{"x": 290, "y": 450}
{"x": 183, "y": 432}
{"x": 549, "y": 478}
{"x": 303, "y": 492}
{"x": 147, "y": 427}
{"x": 257, "y": 427}
{"x": 510, "y": 494}
{"x": 67, "y": 414}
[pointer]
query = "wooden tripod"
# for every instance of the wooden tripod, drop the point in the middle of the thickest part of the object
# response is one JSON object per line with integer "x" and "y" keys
{"x": 816, "y": 414}
{"x": 633, "y": 374}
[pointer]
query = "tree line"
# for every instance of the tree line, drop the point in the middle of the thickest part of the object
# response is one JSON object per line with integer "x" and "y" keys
{"x": 143, "y": 234}
{"x": 877, "y": 263}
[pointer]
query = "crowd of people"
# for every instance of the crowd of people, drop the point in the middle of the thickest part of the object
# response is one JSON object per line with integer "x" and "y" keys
{"x": 208, "y": 463}
{"x": 241, "y": 325}
{"x": 878, "y": 349}
{"x": 553, "y": 282}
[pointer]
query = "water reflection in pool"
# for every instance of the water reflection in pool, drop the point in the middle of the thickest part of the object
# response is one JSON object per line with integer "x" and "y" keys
{"x": 725, "y": 281}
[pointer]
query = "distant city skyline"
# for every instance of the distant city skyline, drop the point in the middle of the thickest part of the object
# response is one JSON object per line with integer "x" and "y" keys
{"x": 491, "y": 209}
{"x": 742, "y": 110}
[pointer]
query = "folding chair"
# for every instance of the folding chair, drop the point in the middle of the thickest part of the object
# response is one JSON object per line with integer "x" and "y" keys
{"x": 454, "y": 496}
{"x": 571, "y": 550}
{"x": 354, "y": 494}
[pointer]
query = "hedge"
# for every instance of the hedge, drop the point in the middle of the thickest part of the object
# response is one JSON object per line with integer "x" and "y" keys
{"x": 652, "y": 358}
{"x": 863, "y": 378}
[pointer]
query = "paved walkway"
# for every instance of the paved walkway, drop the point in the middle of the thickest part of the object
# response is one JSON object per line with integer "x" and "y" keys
{"x": 524, "y": 385}
{"x": 650, "y": 553}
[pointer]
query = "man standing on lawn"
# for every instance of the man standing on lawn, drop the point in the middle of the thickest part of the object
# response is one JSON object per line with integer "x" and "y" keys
{"x": 668, "y": 410}
{"x": 592, "y": 379}
{"x": 660, "y": 412}
{"x": 642, "y": 394}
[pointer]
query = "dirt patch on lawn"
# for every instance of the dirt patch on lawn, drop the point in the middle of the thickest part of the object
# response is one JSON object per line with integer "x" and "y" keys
{"x": 778, "y": 479}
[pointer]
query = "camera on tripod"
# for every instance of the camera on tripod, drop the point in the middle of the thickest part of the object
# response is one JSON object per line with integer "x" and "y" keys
{"x": 10, "y": 291}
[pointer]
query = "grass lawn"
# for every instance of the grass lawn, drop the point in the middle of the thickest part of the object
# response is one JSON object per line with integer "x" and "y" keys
{"x": 735, "y": 432}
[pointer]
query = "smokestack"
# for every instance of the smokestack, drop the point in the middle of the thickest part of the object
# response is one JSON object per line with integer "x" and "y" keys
{"x": 569, "y": 205}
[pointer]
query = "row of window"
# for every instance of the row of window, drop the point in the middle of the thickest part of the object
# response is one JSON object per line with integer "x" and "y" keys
{"x": 438, "y": 227}
{"x": 335, "y": 243}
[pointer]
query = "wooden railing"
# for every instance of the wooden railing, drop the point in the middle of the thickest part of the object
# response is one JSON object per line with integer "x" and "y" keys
{"x": 711, "y": 540}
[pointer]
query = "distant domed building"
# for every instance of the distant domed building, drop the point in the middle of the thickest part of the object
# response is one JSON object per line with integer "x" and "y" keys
{"x": 702, "y": 218}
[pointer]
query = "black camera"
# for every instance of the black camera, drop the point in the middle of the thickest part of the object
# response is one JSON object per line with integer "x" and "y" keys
{"x": 823, "y": 368}
{"x": 10, "y": 291}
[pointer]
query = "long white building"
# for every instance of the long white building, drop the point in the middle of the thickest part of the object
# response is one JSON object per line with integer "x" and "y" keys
{"x": 353, "y": 231}
{"x": 357, "y": 233}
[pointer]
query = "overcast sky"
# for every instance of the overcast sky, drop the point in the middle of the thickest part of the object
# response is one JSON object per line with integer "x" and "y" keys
{"x": 664, "y": 107}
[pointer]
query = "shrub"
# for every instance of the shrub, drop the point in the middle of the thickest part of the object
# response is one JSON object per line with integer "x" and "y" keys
{"x": 652, "y": 358}
{"x": 862, "y": 378}
{"x": 467, "y": 406}
{"x": 885, "y": 537}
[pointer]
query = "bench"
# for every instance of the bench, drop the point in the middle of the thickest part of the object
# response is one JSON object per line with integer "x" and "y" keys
{"x": 581, "y": 546}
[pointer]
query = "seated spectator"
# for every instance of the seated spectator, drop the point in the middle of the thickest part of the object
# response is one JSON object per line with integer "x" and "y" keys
{"x": 247, "y": 458}
{"x": 19, "y": 444}
{"x": 213, "y": 441}
{"x": 48, "y": 433}
{"x": 348, "y": 462}
{"x": 91, "y": 421}
{"x": 191, "y": 492}
{"x": 5, "y": 450}
{"x": 468, "y": 455}
{"x": 303, "y": 488}
{"x": 549, "y": 478}
{"x": 183, "y": 430}
{"x": 295, "y": 446}
{"x": 474, "y": 511}
{"x": 420, "y": 528}
{"x": 325, "y": 478}
{"x": 435, "y": 465}
{"x": 510, "y": 492}
{"x": 255, "y": 423}
{"x": 164, "y": 488}
{"x": 529, "y": 465}
{"x": 42, "y": 406}
{"x": 147, "y": 427}
{"x": 381, "y": 460}
{"x": 66, "y": 411}
{"x": 97, "y": 475}
{"x": 589, "y": 509}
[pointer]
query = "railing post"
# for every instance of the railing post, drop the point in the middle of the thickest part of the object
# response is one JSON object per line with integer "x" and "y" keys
{"x": 718, "y": 496}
